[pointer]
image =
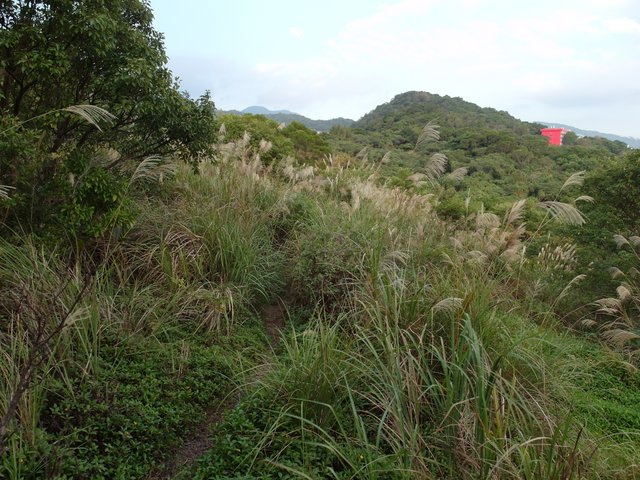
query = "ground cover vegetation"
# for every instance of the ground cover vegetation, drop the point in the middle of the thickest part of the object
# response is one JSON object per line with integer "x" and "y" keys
{"x": 450, "y": 297}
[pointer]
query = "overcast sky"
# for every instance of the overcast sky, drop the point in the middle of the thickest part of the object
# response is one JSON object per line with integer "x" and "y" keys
{"x": 567, "y": 61}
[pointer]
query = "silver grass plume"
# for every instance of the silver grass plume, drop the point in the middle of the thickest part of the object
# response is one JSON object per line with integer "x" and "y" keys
{"x": 487, "y": 219}
{"x": 467, "y": 201}
{"x": 92, "y": 114}
{"x": 577, "y": 179}
{"x": 575, "y": 280}
{"x": 620, "y": 240}
{"x": 429, "y": 133}
{"x": 152, "y": 168}
{"x": 363, "y": 154}
{"x": 515, "y": 213}
{"x": 615, "y": 272}
{"x": 624, "y": 294}
{"x": 619, "y": 337}
{"x": 458, "y": 174}
{"x": 563, "y": 212}
{"x": 608, "y": 305}
{"x": 4, "y": 191}
{"x": 265, "y": 146}
{"x": 435, "y": 166}
{"x": 449, "y": 304}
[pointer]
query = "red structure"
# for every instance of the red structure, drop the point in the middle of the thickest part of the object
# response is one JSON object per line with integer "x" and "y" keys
{"x": 554, "y": 135}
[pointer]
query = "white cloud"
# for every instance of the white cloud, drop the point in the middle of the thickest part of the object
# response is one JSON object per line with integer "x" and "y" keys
{"x": 622, "y": 25}
{"x": 538, "y": 83}
{"x": 385, "y": 15}
{"x": 296, "y": 32}
{"x": 299, "y": 73}
{"x": 607, "y": 3}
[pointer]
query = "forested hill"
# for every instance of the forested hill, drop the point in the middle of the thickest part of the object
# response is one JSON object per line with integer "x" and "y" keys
{"x": 505, "y": 158}
{"x": 464, "y": 126}
{"x": 448, "y": 111}
{"x": 403, "y": 117}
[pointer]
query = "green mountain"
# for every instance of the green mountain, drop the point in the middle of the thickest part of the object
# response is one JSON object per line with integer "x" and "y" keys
{"x": 505, "y": 158}
{"x": 446, "y": 111}
{"x": 464, "y": 126}
{"x": 401, "y": 120}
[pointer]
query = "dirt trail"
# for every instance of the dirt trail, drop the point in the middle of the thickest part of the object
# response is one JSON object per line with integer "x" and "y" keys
{"x": 273, "y": 318}
{"x": 193, "y": 448}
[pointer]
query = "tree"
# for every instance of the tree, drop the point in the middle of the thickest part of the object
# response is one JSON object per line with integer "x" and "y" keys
{"x": 570, "y": 138}
{"x": 57, "y": 53}
{"x": 616, "y": 190}
{"x": 309, "y": 146}
{"x": 259, "y": 128}
{"x": 615, "y": 187}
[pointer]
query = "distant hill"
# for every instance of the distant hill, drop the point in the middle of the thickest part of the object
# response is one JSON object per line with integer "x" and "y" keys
{"x": 287, "y": 117}
{"x": 448, "y": 112}
{"x": 505, "y": 158}
{"x": 258, "y": 110}
{"x": 631, "y": 141}
{"x": 464, "y": 126}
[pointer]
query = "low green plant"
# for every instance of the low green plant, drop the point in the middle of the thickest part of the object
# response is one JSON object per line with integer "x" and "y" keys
{"x": 114, "y": 428}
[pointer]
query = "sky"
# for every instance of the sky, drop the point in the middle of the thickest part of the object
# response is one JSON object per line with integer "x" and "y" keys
{"x": 574, "y": 62}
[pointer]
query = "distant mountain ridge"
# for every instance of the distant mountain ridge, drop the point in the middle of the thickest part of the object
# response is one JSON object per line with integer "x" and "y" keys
{"x": 258, "y": 110}
{"x": 443, "y": 108}
{"x": 631, "y": 141}
{"x": 287, "y": 117}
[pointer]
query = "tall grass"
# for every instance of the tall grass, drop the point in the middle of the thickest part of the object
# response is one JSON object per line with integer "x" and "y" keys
{"x": 39, "y": 298}
{"x": 618, "y": 318}
{"x": 422, "y": 348}
{"x": 424, "y": 361}
{"x": 200, "y": 257}
{"x": 387, "y": 402}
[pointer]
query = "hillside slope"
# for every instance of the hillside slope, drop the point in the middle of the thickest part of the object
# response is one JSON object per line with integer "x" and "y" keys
{"x": 448, "y": 112}
{"x": 505, "y": 158}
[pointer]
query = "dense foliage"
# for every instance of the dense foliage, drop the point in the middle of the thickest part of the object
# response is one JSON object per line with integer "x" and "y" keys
{"x": 293, "y": 139}
{"x": 57, "y": 54}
